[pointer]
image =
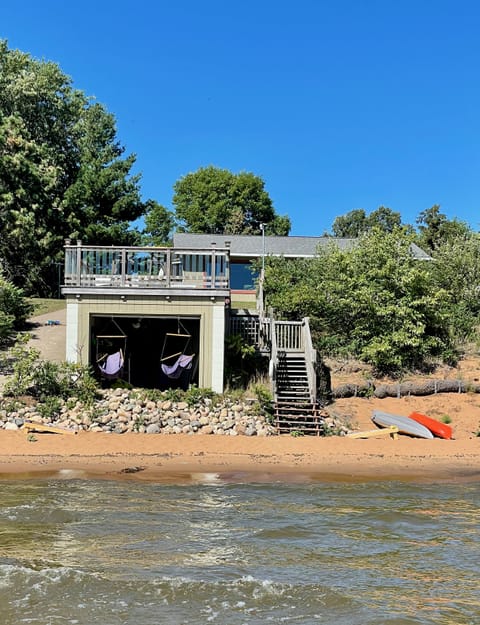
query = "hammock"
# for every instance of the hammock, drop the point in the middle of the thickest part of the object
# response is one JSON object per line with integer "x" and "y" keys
{"x": 112, "y": 365}
{"x": 183, "y": 363}
{"x": 111, "y": 350}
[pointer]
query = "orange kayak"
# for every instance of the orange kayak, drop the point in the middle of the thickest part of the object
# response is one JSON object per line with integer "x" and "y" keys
{"x": 437, "y": 428}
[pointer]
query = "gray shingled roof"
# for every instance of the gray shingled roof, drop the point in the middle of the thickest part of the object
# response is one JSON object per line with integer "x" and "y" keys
{"x": 251, "y": 246}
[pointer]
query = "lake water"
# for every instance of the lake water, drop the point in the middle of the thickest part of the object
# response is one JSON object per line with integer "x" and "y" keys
{"x": 232, "y": 551}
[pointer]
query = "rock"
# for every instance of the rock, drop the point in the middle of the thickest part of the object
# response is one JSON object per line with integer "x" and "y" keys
{"x": 11, "y": 426}
{"x": 119, "y": 411}
{"x": 153, "y": 428}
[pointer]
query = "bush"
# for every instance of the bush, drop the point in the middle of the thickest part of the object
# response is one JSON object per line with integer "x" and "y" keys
{"x": 6, "y": 327}
{"x": 242, "y": 362}
{"x": 14, "y": 304}
{"x": 373, "y": 301}
{"x": 43, "y": 379}
{"x": 264, "y": 400}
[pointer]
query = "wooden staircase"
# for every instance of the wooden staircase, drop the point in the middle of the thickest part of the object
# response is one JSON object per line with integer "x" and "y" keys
{"x": 296, "y": 411}
{"x": 288, "y": 344}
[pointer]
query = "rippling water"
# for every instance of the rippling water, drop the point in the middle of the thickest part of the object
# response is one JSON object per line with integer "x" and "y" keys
{"x": 207, "y": 550}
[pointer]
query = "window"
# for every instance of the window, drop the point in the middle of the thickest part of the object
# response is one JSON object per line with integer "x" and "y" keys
{"x": 242, "y": 276}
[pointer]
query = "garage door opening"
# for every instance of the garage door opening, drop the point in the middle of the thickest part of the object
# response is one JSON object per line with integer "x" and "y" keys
{"x": 147, "y": 343}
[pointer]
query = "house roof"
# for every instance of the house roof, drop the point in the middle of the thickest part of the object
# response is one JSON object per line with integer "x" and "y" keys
{"x": 251, "y": 246}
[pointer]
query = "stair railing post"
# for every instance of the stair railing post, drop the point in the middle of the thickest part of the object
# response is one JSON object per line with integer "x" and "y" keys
{"x": 310, "y": 359}
{"x": 273, "y": 356}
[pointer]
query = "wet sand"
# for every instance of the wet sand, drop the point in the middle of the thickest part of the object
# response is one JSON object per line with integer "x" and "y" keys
{"x": 153, "y": 457}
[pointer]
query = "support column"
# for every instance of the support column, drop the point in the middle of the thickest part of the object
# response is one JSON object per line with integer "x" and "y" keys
{"x": 72, "y": 352}
{"x": 218, "y": 348}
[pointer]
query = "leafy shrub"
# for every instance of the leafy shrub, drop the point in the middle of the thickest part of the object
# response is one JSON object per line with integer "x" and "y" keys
{"x": 13, "y": 304}
{"x": 194, "y": 395}
{"x": 264, "y": 401}
{"x": 174, "y": 394}
{"x": 6, "y": 326}
{"x": 242, "y": 362}
{"x": 43, "y": 379}
{"x": 374, "y": 302}
{"x": 50, "y": 407}
{"x": 149, "y": 394}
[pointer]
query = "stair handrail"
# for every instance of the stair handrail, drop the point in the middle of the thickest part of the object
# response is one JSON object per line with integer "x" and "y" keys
{"x": 310, "y": 359}
{"x": 272, "y": 367}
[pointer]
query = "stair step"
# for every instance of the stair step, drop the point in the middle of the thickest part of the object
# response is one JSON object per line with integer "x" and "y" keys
{"x": 289, "y": 395}
{"x": 294, "y": 410}
{"x": 293, "y": 384}
{"x": 293, "y": 399}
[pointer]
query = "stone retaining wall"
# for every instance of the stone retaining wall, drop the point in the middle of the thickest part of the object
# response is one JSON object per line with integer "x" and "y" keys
{"x": 120, "y": 411}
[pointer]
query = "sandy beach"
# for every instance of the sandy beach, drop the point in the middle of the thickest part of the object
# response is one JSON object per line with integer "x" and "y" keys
{"x": 149, "y": 457}
{"x": 118, "y": 456}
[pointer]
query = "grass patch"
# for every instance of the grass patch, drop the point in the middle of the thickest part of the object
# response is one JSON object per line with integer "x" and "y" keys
{"x": 44, "y": 306}
{"x": 243, "y": 305}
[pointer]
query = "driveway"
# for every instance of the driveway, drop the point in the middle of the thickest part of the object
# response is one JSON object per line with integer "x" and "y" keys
{"x": 49, "y": 339}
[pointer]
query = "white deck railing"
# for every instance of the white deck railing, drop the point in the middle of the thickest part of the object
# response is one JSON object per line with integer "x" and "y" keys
{"x": 145, "y": 267}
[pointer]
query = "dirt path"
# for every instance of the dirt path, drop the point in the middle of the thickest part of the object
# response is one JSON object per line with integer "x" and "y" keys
{"x": 49, "y": 339}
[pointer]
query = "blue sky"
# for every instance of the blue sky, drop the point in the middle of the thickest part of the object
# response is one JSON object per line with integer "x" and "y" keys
{"x": 337, "y": 104}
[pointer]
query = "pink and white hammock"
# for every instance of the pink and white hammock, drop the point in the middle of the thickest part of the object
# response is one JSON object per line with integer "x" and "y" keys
{"x": 113, "y": 365}
{"x": 182, "y": 364}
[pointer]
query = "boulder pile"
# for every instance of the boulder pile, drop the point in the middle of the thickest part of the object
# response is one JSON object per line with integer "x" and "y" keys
{"x": 119, "y": 410}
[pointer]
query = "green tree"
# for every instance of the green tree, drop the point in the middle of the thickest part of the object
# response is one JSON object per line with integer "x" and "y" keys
{"x": 351, "y": 225}
{"x": 456, "y": 270}
{"x": 14, "y": 309}
{"x": 374, "y": 301}
{"x": 62, "y": 171}
{"x": 217, "y": 201}
{"x": 385, "y": 219}
{"x": 356, "y": 222}
{"x": 159, "y": 224}
{"x": 435, "y": 228}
